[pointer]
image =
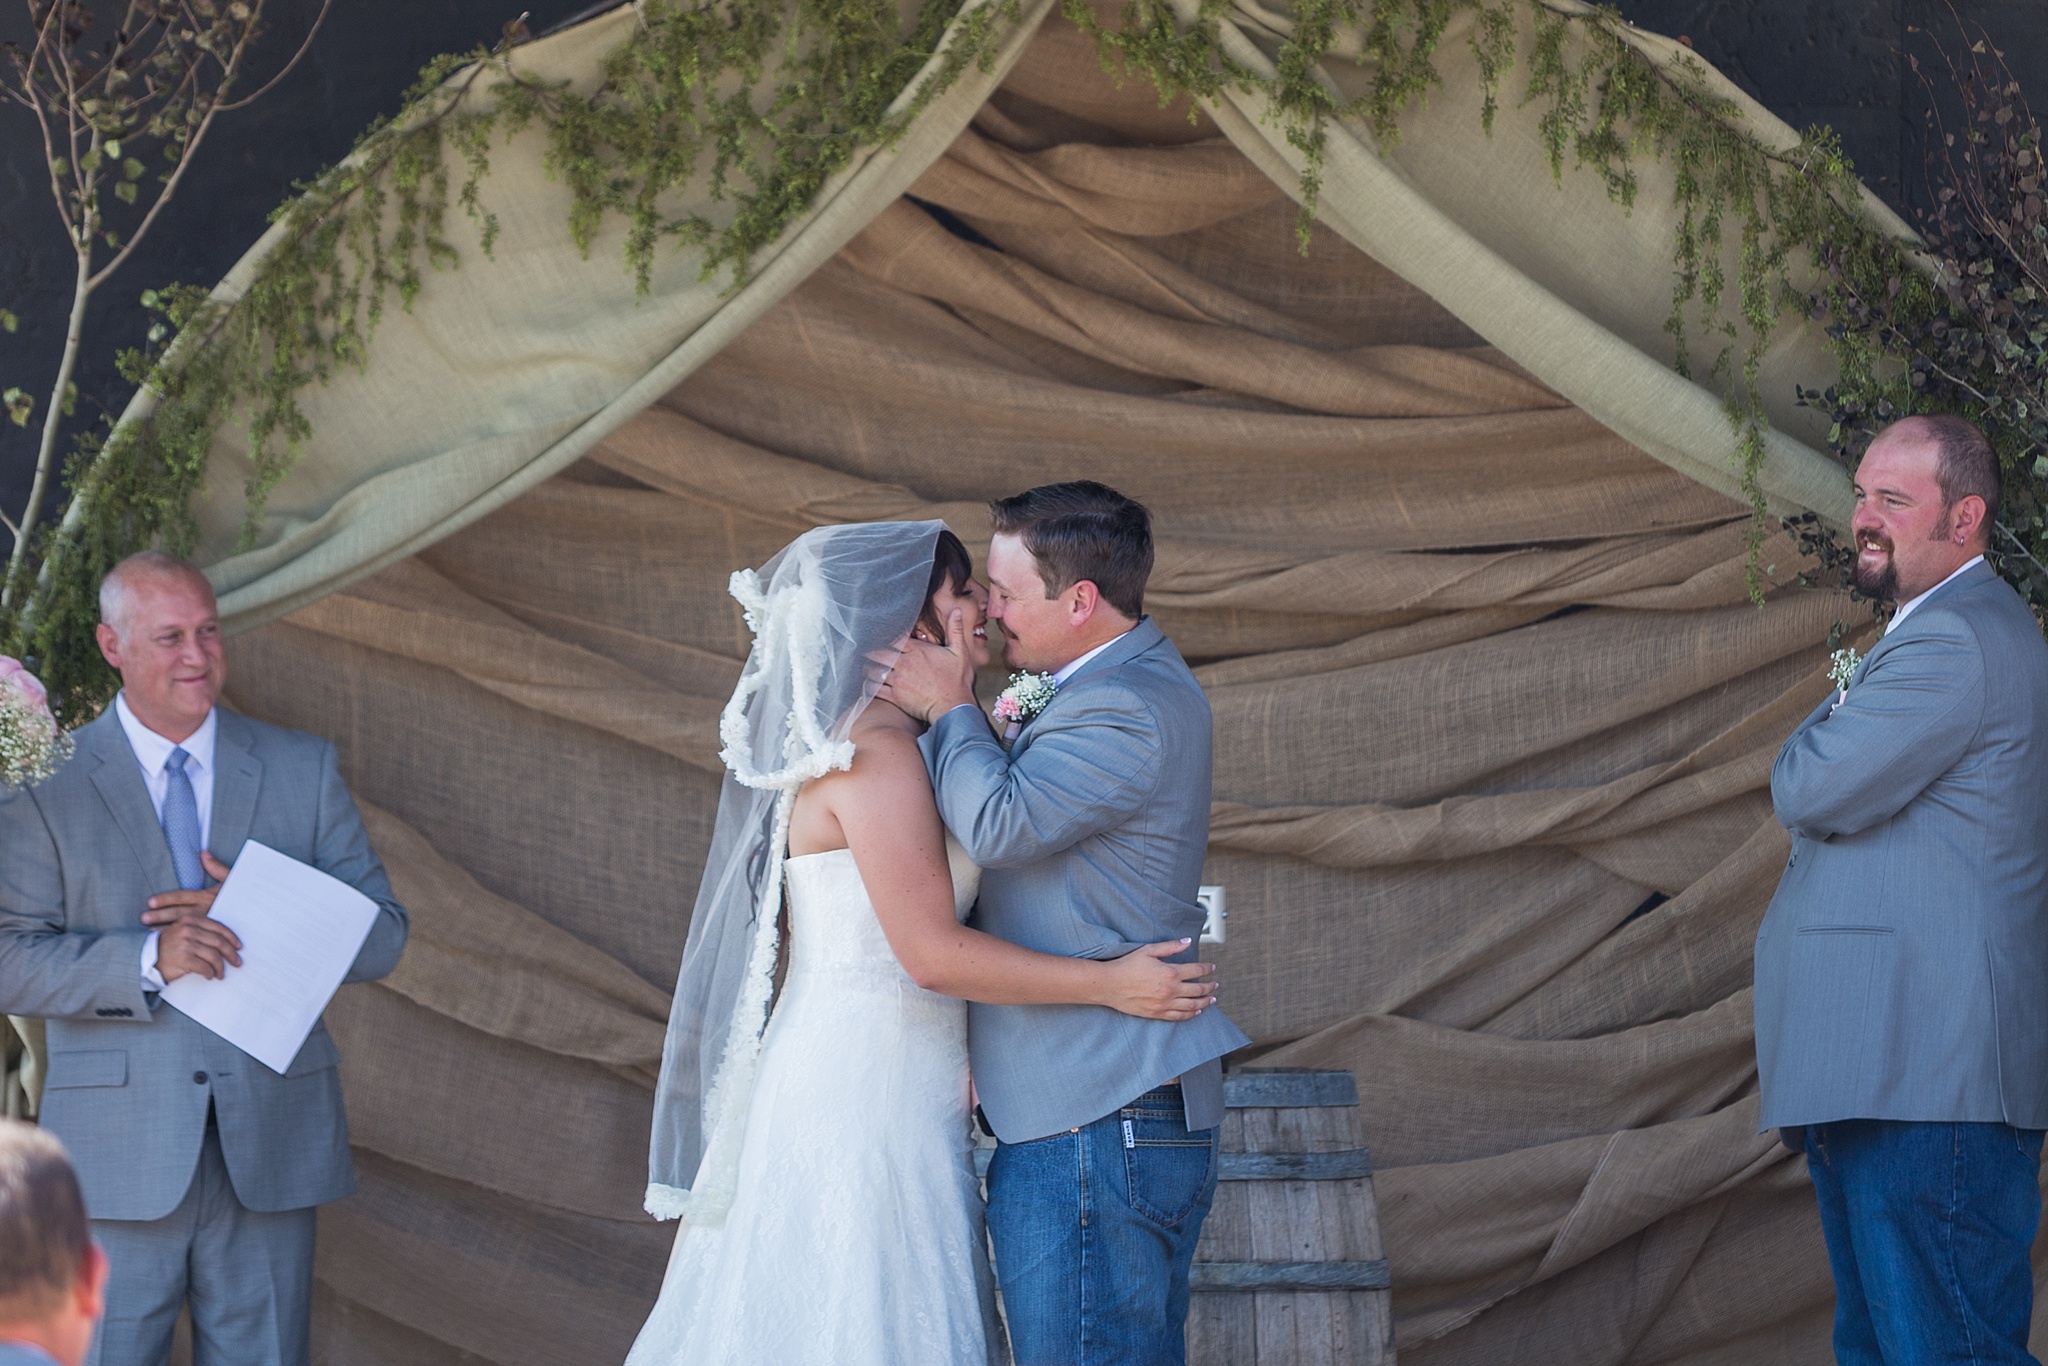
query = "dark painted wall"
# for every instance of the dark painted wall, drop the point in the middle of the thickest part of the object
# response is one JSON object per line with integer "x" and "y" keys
{"x": 1844, "y": 63}
{"x": 1833, "y": 61}
{"x": 363, "y": 59}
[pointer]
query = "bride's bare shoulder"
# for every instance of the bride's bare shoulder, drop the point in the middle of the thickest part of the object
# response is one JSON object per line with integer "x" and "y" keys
{"x": 888, "y": 769}
{"x": 885, "y": 744}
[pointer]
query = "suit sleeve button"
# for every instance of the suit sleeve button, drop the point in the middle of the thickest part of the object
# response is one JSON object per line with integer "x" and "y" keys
{"x": 199, "y": 1077}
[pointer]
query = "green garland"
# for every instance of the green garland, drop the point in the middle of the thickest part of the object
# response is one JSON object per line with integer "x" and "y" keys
{"x": 689, "y": 84}
{"x": 683, "y": 89}
{"x": 1602, "y": 105}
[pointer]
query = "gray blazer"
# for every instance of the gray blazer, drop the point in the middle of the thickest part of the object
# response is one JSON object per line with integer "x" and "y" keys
{"x": 1902, "y": 969}
{"x": 1090, "y": 833}
{"x": 130, "y": 1077}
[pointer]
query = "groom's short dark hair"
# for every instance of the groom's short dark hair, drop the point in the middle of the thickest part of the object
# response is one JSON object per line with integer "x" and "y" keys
{"x": 1083, "y": 530}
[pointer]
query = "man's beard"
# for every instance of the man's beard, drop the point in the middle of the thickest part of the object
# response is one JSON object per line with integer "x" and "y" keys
{"x": 1881, "y": 584}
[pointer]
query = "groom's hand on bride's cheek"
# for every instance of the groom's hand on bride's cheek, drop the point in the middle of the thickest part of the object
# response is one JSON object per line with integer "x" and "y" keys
{"x": 930, "y": 680}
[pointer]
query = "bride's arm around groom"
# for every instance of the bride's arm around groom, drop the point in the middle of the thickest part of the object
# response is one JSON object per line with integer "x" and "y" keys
{"x": 1091, "y": 828}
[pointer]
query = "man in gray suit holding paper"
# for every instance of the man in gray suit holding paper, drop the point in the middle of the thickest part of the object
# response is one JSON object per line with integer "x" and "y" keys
{"x": 1091, "y": 830}
{"x": 201, "y": 1167}
{"x": 1902, "y": 969}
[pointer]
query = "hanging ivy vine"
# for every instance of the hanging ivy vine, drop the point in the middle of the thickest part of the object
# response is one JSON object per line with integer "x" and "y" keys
{"x": 1603, "y": 104}
{"x": 764, "y": 100}
{"x": 686, "y": 93}
{"x": 1969, "y": 336}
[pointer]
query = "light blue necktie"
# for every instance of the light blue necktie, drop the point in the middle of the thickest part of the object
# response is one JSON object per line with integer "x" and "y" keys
{"x": 181, "y": 823}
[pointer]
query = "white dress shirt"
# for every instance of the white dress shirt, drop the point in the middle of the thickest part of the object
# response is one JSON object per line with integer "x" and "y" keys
{"x": 151, "y": 750}
{"x": 1906, "y": 607}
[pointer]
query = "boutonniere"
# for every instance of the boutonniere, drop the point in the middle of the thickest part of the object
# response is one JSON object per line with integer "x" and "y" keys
{"x": 32, "y": 745}
{"x": 1842, "y": 666}
{"x": 1027, "y": 695}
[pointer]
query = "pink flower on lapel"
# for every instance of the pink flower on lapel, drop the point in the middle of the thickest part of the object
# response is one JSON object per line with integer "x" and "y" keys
{"x": 15, "y": 675}
{"x": 32, "y": 745}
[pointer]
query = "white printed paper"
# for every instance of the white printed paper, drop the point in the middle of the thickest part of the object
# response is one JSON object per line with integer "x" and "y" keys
{"x": 300, "y": 930}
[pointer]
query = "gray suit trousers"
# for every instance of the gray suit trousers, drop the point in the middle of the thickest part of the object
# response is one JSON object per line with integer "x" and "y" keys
{"x": 248, "y": 1275}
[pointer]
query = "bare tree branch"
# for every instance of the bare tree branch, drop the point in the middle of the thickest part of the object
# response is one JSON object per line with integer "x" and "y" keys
{"x": 158, "y": 80}
{"x": 187, "y": 151}
{"x": 43, "y": 121}
{"x": 271, "y": 84}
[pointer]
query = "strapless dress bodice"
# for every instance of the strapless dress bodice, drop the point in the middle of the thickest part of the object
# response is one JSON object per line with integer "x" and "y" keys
{"x": 832, "y": 919}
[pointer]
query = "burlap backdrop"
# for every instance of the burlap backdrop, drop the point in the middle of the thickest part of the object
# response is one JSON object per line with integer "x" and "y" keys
{"x": 1494, "y": 714}
{"x": 1494, "y": 721}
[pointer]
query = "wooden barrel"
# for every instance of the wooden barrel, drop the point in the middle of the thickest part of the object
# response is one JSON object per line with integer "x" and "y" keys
{"x": 1290, "y": 1271}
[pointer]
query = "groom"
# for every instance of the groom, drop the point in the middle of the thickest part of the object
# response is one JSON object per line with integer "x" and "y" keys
{"x": 1091, "y": 831}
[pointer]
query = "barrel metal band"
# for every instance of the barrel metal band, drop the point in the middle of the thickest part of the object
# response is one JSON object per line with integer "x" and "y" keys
{"x": 1282, "y": 1277}
{"x": 1344, "y": 1165}
{"x": 1288, "y": 1088}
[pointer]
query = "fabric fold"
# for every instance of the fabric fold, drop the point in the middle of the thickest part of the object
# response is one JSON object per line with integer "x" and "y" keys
{"x": 499, "y": 968}
{"x": 412, "y": 611}
{"x": 1447, "y": 539}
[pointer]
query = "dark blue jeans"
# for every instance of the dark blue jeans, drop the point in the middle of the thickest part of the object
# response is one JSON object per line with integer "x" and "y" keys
{"x": 1094, "y": 1230}
{"x": 1929, "y": 1227}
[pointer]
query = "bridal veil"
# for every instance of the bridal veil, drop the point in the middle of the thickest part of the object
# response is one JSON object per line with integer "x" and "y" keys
{"x": 829, "y": 615}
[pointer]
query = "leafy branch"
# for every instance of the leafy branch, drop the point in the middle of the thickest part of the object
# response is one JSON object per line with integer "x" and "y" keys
{"x": 150, "y": 90}
{"x": 762, "y": 100}
{"x": 1971, "y": 335}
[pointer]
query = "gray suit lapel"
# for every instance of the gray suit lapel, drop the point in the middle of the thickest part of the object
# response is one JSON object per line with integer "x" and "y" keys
{"x": 237, "y": 778}
{"x": 1129, "y": 645}
{"x": 1970, "y": 578}
{"x": 118, "y": 777}
{"x": 1884, "y": 642}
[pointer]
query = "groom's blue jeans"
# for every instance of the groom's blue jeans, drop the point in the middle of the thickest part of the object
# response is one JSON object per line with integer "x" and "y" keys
{"x": 1929, "y": 1227}
{"x": 1094, "y": 1232}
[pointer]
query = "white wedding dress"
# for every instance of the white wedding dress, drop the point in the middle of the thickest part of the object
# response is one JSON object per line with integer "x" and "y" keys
{"x": 855, "y": 1235}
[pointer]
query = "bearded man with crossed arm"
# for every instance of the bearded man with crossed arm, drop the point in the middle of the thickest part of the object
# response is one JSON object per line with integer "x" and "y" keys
{"x": 1902, "y": 969}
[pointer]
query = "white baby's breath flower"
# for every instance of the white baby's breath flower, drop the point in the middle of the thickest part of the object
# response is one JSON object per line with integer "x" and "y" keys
{"x": 32, "y": 745}
{"x": 1842, "y": 666}
{"x": 1027, "y": 695}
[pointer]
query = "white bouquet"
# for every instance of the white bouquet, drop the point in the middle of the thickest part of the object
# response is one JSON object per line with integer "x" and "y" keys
{"x": 32, "y": 744}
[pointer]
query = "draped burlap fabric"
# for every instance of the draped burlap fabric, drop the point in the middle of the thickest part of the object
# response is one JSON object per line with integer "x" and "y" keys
{"x": 506, "y": 371}
{"x": 1494, "y": 718}
{"x": 1450, "y": 545}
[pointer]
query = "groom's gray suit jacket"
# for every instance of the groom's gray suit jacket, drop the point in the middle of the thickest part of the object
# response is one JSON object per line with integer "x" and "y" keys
{"x": 1090, "y": 833}
{"x": 130, "y": 1076}
{"x": 1902, "y": 969}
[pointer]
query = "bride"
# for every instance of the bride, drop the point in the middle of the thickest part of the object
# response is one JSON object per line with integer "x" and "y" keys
{"x": 817, "y": 1140}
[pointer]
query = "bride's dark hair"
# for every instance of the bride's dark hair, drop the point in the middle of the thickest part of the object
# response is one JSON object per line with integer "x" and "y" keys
{"x": 951, "y": 565}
